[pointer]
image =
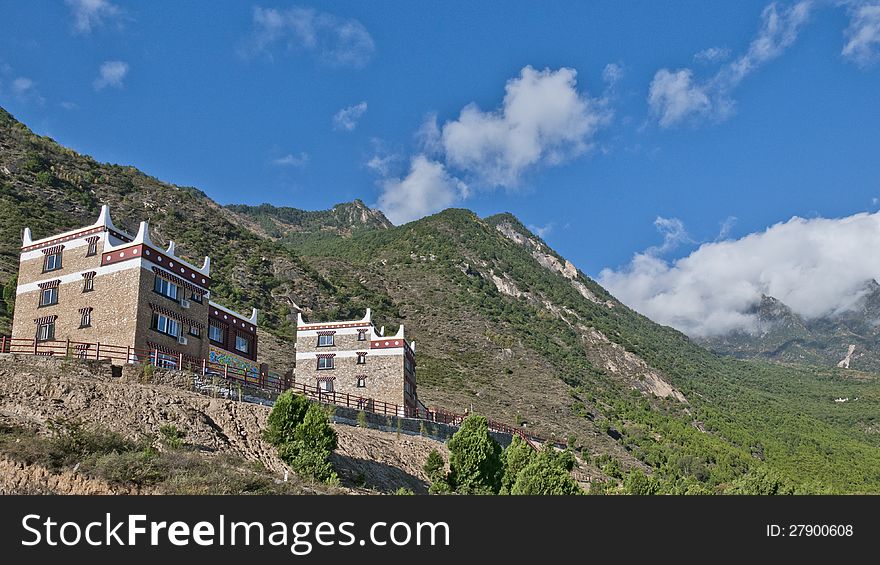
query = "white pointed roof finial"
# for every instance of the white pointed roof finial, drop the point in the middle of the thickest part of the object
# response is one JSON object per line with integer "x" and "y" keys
{"x": 206, "y": 266}
{"x": 172, "y": 247}
{"x": 382, "y": 331}
{"x": 254, "y": 313}
{"x": 368, "y": 315}
{"x": 26, "y": 237}
{"x": 299, "y": 319}
{"x": 399, "y": 332}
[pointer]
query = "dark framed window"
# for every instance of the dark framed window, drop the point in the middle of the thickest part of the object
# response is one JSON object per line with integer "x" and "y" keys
{"x": 86, "y": 318}
{"x": 325, "y": 385}
{"x": 362, "y": 359}
{"x": 195, "y": 296}
{"x": 215, "y": 333}
{"x": 49, "y": 296}
{"x": 325, "y": 340}
{"x": 325, "y": 363}
{"x": 93, "y": 247}
{"x": 164, "y": 324}
{"x": 52, "y": 262}
{"x": 242, "y": 344}
{"x": 362, "y": 335}
{"x": 362, "y": 382}
{"x": 166, "y": 288}
{"x": 46, "y": 332}
{"x": 89, "y": 284}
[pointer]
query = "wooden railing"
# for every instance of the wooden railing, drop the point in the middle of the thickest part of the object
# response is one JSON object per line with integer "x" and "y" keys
{"x": 235, "y": 376}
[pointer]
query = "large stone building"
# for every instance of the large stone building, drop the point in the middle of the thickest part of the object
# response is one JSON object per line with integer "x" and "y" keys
{"x": 98, "y": 284}
{"x": 351, "y": 357}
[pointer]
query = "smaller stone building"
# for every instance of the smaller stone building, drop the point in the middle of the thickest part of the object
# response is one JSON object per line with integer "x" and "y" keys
{"x": 352, "y": 357}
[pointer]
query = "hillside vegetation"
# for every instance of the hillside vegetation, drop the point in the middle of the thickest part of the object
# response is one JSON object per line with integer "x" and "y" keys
{"x": 504, "y": 327}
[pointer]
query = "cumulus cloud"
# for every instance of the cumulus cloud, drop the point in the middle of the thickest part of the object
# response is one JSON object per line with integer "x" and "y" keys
{"x": 541, "y": 231}
{"x": 333, "y": 40}
{"x": 815, "y": 266}
{"x": 347, "y": 119}
{"x": 291, "y": 160}
{"x": 24, "y": 89}
{"x": 543, "y": 119}
{"x": 91, "y": 14}
{"x": 863, "y": 33}
{"x": 111, "y": 74}
{"x": 428, "y": 188}
{"x": 673, "y": 232}
{"x": 676, "y": 97}
{"x": 712, "y": 55}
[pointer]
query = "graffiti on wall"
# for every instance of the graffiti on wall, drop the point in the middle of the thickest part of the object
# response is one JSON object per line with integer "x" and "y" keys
{"x": 226, "y": 358}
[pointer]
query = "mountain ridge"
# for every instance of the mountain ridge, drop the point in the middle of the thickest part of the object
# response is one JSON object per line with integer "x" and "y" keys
{"x": 505, "y": 325}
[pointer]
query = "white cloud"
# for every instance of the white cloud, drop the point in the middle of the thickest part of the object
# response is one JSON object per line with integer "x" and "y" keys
{"x": 863, "y": 33}
{"x": 347, "y": 118}
{"x": 335, "y": 41}
{"x": 726, "y": 227}
{"x": 25, "y": 90}
{"x": 673, "y": 96}
{"x": 712, "y": 55}
{"x": 90, "y": 14}
{"x": 543, "y": 120}
{"x": 674, "y": 234}
{"x": 612, "y": 73}
{"x": 428, "y": 188}
{"x": 676, "y": 97}
{"x": 816, "y": 266}
{"x": 541, "y": 231}
{"x": 291, "y": 160}
{"x": 111, "y": 74}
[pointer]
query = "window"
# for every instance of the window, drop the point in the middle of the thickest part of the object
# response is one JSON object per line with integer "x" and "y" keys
{"x": 362, "y": 335}
{"x": 166, "y": 288}
{"x": 46, "y": 332}
{"x": 325, "y": 386}
{"x": 195, "y": 296}
{"x": 215, "y": 333}
{"x": 362, "y": 358}
{"x": 325, "y": 340}
{"x": 325, "y": 362}
{"x": 165, "y": 325}
{"x": 89, "y": 284}
{"x": 49, "y": 296}
{"x": 86, "y": 318}
{"x": 195, "y": 331}
{"x": 362, "y": 382}
{"x": 93, "y": 247}
{"x": 242, "y": 344}
{"x": 52, "y": 263}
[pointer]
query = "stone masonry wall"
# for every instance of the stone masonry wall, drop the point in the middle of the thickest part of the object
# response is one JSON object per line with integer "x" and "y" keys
{"x": 197, "y": 347}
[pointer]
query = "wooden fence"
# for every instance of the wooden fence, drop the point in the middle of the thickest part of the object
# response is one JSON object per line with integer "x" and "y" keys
{"x": 268, "y": 381}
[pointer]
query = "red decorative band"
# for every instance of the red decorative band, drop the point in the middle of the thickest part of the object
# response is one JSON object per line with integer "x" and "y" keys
{"x": 53, "y": 250}
{"x": 386, "y": 343}
{"x": 175, "y": 316}
{"x": 178, "y": 281}
{"x": 336, "y": 325}
{"x": 326, "y": 355}
{"x": 223, "y": 317}
{"x": 70, "y": 237}
{"x": 45, "y": 320}
{"x": 89, "y": 275}
{"x": 50, "y": 284}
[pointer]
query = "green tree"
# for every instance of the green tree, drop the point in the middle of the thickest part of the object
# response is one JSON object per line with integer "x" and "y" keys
{"x": 547, "y": 474}
{"x": 639, "y": 483}
{"x": 288, "y": 413}
{"x": 475, "y": 458}
{"x": 434, "y": 466}
{"x": 517, "y": 455}
{"x": 760, "y": 481}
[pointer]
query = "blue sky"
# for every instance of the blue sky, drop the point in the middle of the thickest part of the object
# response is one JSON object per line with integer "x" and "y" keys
{"x": 624, "y": 123}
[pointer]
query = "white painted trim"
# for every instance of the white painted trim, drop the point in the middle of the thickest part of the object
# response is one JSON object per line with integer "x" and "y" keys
{"x": 77, "y": 276}
{"x": 340, "y": 331}
{"x": 392, "y": 351}
{"x": 72, "y": 244}
{"x": 250, "y": 320}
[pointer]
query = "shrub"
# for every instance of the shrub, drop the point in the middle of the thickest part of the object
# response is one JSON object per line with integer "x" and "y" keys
{"x": 404, "y": 491}
{"x": 434, "y": 466}
{"x": 475, "y": 465}
{"x": 517, "y": 455}
{"x": 547, "y": 474}
{"x": 289, "y": 411}
{"x": 171, "y": 436}
{"x": 362, "y": 419}
{"x": 639, "y": 483}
